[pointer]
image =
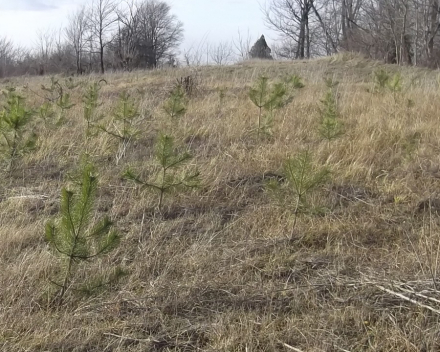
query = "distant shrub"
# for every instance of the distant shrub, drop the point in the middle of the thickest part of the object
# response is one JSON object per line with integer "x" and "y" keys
{"x": 260, "y": 50}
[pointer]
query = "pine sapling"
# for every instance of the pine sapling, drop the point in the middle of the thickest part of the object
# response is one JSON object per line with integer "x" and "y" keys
{"x": 302, "y": 179}
{"x": 55, "y": 95}
{"x": 73, "y": 236}
{"x": 266, "y": 98}
{"x": 170, "y": 175}
{"x": 18, "y": 138}
{"x": 294, "y": 82}
{"x": 395, "y": 86}
{"x": 123, "y": 127}
{"x": 175, "y": 106}
{"x": 64, "y": 104}
{"x": 330, "y": 126}
{"x": 90, "y": 100}
{"x": 381, "y": 79}
{"x": 46, "y": 113}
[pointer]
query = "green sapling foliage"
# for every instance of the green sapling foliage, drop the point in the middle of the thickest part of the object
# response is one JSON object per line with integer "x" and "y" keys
{"x": 294, "y": 82}
{"x": 73, "y": 236}
{"x": 170, "y": 172}
{"x": 123, "y": 126}
{"x": 221, "y": 96}
{"x": 46, "y": 112}
{"x": 175, "y": 106}
{"x": 90, "y": 100}
{"x": 17, "y": 137}
{"x": 64, "y": 104}
{"x": 381, "y": 79}
{"x": 270, "y": 97}
{"x": 395, "y": 86}
{"x": 302, "y": 179}
{"x": 266, "y": 98}
{"x": 55, "y": 94}
{"x": 330, "y": 126}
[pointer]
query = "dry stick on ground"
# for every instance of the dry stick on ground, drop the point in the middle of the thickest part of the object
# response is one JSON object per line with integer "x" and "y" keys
{"x": 290, "y": 347}
{"x": 407, "y": 299}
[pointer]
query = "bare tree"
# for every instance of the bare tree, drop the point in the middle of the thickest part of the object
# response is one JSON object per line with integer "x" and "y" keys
{"x": 44, "y": 48}
{"x": 124, "y": 47}
{"x": 290, "y": 18}
{"x": 101, "y": 20}
{"x": 76, "y": 32}
{"x": 7, "y": 56}
{"x": 158, "y": 32}
{"x": 242, "y": 45}
{"x": 221, "y": 53}
{"x": 193, "y": 56}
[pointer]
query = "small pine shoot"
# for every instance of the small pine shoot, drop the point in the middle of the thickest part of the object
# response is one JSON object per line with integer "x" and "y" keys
{"x": 73, "y": 236}
{"x": 330, "y": 82}
{"x": 330, "y": 126}
{"x": 170, "y": 176}
{"x": 294, "y": 82}
{"x": 55, "y": 94}
{"x": 18, "y": 139}
{"x": 123, "y": 127}
{"x": 90, "y": 100}
{"x": 381, "y": 79}
{"x": 395, "y": 86}
{"x": 268, "y": 98}
{"x": 46, "y": 113}
{"x": 302, "y": 179}
{"x": 175, "y": 106}
{"x": 64, "y": 104}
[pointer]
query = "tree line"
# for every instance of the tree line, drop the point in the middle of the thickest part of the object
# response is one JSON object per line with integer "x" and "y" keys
{"x": 105, "y": 34}
{"x": 397, "y": 31}
{"x": 108, "y": 34}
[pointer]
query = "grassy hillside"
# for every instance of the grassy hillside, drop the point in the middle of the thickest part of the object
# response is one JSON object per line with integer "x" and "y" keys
{"x": 224, "y": 267}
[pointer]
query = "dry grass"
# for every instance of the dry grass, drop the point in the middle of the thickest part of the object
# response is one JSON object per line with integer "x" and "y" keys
{"x": 218, "y": 271}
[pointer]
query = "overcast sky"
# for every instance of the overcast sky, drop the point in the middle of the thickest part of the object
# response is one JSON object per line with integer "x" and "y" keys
{"x": 204, "y": 20}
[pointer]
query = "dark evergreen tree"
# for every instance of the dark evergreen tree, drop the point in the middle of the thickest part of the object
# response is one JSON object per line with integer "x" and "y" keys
{"x": 260, "y": 50}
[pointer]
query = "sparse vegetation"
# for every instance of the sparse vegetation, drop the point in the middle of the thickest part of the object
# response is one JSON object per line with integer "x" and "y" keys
{"x": 341, "y": 262}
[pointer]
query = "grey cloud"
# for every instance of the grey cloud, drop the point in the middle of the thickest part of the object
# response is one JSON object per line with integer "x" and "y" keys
{"x": 27, "y": 5}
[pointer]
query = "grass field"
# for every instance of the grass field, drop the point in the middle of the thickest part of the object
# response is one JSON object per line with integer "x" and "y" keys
{"x": 221, "y": 268}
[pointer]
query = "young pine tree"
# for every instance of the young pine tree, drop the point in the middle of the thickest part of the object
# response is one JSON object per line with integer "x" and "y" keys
{"x": 64, "y": 104}
{"x": 395, "y": 86}
{"x": 381, "y": 79}
{"x": 267, "y": 98}
{"x": 123, "y": 124}
{"x": 17, "y": 136}
{"x": 302, "y": 179}
{"x": 175, "y": 106}
{"x": 170, "y": 175}
{"x": 73, "y": 236}
{"x": 330, "y": 126}
{"x": 55, "y": 94}
{"x": 90, "y": 100}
